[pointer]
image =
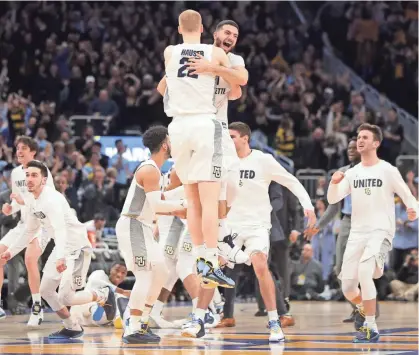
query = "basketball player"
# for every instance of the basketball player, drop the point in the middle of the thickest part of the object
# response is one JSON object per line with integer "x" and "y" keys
{"x": 345, "y": 224}
{"x": 250, "y": 215}
{"x": 26, "y": 150}
{"x": 134, "y": 231}
{"x": 93, "y": 314}
{"x": 68, "y": 264}
{"x": 372, "y": 184}
{"x": 196, "y": 138}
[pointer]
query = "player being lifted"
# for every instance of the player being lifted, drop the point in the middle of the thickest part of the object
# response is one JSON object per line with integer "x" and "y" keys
{"x": 26, "y": 150}
{"x": 372, "y": 184}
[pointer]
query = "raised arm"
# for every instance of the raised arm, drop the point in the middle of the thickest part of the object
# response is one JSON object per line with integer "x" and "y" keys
{"x": 339, "y": 188}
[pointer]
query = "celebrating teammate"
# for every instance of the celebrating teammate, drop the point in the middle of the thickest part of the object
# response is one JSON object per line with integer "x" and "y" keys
{"x": 250, "y": 215}
{"x": 372, "y": 184}
{"x": 68, "y": 264}
{"x": 27, "y": 149}
{"x": 134, "y": 231}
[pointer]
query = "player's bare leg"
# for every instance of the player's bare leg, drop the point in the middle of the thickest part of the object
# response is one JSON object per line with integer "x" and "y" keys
{"x": 32, "y": 255}
{"x": 267, "y": 290}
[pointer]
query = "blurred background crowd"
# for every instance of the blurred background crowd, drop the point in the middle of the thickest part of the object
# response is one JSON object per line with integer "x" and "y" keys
{"x": 81, "y": 78}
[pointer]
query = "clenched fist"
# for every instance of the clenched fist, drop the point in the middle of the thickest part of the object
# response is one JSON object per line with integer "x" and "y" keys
{"x": 337, "y": 177}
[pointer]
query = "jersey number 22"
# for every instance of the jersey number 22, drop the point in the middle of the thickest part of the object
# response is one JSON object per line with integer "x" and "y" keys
{"x": 183, "y": 70}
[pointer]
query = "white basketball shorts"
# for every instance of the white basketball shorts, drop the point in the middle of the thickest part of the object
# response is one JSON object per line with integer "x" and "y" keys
{"x": 362, "y": 247}
{"x": 137, "y": 244}
{"x": 17, "y": 233}
{"x": 253, "y": 240}
{"x": 197, "y": 148}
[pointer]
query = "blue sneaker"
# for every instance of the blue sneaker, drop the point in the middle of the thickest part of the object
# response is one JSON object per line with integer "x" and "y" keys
{"x": 66, "y": 334}
{"x": 201, "y": 266}
{"x": 216, "y": 277}
{"x": 2, "y": 313}
{"x": 143, "y": 336}
{"x": 276, "y": 333}
{"x": 366, "y": 335}
{"x": 211, "y": 320}
{"x": 195, "y": 329}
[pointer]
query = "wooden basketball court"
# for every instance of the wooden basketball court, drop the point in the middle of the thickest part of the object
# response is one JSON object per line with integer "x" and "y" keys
{"x": 319, "y": 330}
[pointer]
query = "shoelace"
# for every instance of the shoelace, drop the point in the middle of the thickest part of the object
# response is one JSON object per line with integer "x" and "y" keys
{"x": 221, "y": 275}
{"x": 274, "y": 325}
{"x": 366, "y": 330}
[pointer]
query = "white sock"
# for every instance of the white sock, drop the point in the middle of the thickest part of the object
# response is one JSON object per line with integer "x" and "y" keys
{"x": 212, "y": 256}
{"x": 273, "y": 315}
{"x": 217, "y": 297}
{"x": 212, "y": 307}
{"x": 36, "y": 297}
{"x": 146, "y": 314}
{"x": 200, "y": 313}
{"x": 194, "y": 304}
{"x": 70, "y": 323}
{"x": 222, "y": 229}
{"x": 157, "y": 308}
{"x": 201, "y": 251}
{"x": 370, "y": 322}
{"x": 135, "y": 323}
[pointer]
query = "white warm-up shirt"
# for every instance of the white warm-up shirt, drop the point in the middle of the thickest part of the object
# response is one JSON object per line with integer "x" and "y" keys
{"x": 252, "y": 207}
{"x": 18, "y": 178}
{"x": 98, "y": 279}
{"x": 222, "y": 89}
{"x": 372, "y": 190}
{"x": 52, "y": 212}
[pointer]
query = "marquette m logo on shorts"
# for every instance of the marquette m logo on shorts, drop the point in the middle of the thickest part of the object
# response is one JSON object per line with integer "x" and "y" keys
{"x": 140, "y": 261}
{"x": 217, "y": 172}
{"x": 169, "y": 250}
{"x": 187, "y": 246}
{"x": 77, "y": 281}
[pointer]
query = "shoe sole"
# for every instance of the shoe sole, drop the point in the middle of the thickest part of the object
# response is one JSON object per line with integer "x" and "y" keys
{"x": 371, "y": 341}
{"x": 63, "y": 338}
{"x": 276, "y": 341}
{"x": 214, "y": 284}
{"x": 188, "y": 335}
{"x": 141, "y": 342}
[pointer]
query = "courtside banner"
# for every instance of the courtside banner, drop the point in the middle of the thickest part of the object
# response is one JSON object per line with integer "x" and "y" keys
{"x": 135, "y": 152}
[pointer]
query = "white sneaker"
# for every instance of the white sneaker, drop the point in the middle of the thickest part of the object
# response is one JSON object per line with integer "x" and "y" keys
{"x": 2, "y": 313}
{"x": 37, "y": 315}
{"x": 160, "y": 323}
{"x": 211, "y": 320}
{"x": 276, "y": 331}
{"x": 102, "y": 296}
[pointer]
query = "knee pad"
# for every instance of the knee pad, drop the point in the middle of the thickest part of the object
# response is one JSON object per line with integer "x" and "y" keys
{"x": 172, "y": 275}
{"x": 185, "y": 266}
{"x": 365, "y": 274}
{"x": 232, "y": 190}
{"x": 350, "y": 289}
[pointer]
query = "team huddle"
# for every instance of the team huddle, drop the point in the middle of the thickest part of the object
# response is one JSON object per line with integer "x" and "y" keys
{"x": 210, "y": 212}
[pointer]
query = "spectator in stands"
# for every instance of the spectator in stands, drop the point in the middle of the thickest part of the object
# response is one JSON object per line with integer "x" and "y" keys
{"x": 393, "y": 136}
{"x": 285, "y": 138}
{"x": 406, "y": 286}
{"x": 306, "y": 277}
{"x": 89, "y": 167}
{"x": 324, "y": 243}
{"x": 104, "y": 159}
{"x": 85, "y": 143}
{"x": 412, "y": 183}
{"x": 321, "y": 187}
{"x": 98, "y": 197}
{"x": 104, "y": 106}
{"x": 121, "y": 164}
{"x": 95, "y": 228}
{"x": 406, "y": 237}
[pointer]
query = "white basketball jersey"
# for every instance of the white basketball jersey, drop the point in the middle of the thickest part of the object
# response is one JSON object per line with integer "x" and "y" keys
{"x": 18, "y": 178}
{"x": 188, "y": 93}
{"x": 223, "y": 88}
{"x": 136, "y": 202}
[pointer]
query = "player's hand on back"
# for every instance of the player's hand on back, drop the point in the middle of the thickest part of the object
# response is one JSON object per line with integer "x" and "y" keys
{"x": 311, "y": 218}
{"x": 337, "y": 177}
{"x": 411, "y": 214}
{"x": 199, "y": 65}
{"x": 6, "y": 209}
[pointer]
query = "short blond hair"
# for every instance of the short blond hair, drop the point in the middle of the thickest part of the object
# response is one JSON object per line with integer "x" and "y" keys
{"x": 190, "y": 21}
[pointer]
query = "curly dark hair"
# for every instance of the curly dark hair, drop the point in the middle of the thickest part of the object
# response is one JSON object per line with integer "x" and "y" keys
{"x": 154, "y": 137}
